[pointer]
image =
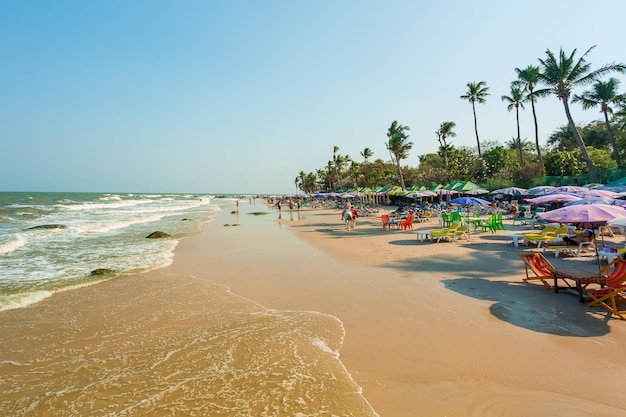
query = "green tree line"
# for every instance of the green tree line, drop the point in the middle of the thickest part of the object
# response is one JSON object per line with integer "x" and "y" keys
{"x": 572, "y": 150}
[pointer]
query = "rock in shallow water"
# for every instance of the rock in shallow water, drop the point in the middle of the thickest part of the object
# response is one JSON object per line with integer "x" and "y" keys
{"x": 157, "y": 235}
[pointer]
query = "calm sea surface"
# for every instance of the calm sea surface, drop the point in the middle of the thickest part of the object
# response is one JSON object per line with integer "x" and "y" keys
{"x": 185, "y": 347}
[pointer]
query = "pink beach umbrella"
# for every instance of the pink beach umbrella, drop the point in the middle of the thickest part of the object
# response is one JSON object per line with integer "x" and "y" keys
{"x": 553, "y": 198}
{"x": 600, "y": 193}
{"x": 583, "y": 213}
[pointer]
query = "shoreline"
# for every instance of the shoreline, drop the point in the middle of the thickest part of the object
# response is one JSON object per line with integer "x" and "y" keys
{"x": 434, "y": 329}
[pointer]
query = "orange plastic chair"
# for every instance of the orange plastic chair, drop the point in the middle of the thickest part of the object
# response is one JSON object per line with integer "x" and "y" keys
{"x": 385, "y": 219}
{"x": 406, "y": 223}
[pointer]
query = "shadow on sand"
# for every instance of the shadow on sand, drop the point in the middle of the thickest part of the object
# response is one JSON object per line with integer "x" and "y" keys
{"x": 532, "y": 307}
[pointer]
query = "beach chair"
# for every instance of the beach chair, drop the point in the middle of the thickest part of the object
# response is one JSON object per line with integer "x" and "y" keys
{"x": 447, "y": 234}
{"x": 569, "y": 249}
{"x": 445, "y": 220}
{"x": 387, "y": 222}
{"x": 542, "y": 270}
{"x": 490, "y": 224}
{"x": 498, "y": 222}
{"x": 385, "y": 219}
{"x": 462, "y": 231}
{"x": 406, "y": 223}
{"x": 612, "y": 293}
{"x": 547, "y": 233}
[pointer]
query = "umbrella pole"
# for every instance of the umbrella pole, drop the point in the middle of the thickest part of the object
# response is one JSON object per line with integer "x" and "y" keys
{"x": 595, "y": 245}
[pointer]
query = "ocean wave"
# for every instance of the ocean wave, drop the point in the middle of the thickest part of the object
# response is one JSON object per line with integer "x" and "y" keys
{"x": 22, "y": 300}
{"x": 14, "y": 243}
{"x": 100, "y": 206}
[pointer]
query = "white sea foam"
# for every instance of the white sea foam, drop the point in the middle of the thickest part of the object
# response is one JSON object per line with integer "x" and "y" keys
{"x": 14, "y": 243}
{"x": 23, "y": 300}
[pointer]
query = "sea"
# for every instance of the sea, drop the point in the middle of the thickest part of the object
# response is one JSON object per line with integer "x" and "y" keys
{"x": 155, "y": 344}
{"x": 51, "y": 242}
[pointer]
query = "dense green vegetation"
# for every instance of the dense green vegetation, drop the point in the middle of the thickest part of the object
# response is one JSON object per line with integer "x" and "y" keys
{"x": 581, "y": 153}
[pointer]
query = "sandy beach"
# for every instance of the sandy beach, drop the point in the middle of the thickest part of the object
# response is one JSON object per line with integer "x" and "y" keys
{"x": 447, "y": 329}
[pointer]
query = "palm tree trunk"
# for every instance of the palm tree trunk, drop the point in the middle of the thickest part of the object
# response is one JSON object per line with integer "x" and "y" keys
{"x": 480, "y": 155}
{"x": 519, "y": 139}
{"x": 612, "y": 139}
{"x": 400, "y": 173}
{"x": 581, "y": 144}
{"x": 532, "y": 104}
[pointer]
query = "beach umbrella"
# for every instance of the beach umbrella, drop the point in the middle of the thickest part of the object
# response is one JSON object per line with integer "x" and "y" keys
{"x": 514, "y": 191}
{"x": 597, "y": 214}
{"x": 541, "y": 190}
{"x": 469, "y": 201}
{"x": 478, "y": 191}
{"x": 571, "y": 189}
{"x": 553, "y": 198}
{"x": 618, "y": 221}
{"x": 600, "y": 193}
{"x": 598, "y": 200}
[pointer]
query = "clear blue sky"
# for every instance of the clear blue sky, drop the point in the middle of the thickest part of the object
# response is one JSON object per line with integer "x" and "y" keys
{"x": 239, "y": 96}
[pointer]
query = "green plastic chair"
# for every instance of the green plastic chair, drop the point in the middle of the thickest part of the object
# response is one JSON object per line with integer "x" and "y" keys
{"x": 498, "y": 222}
{"x": 445, "y": 220}
{"x": 489, "y": 224}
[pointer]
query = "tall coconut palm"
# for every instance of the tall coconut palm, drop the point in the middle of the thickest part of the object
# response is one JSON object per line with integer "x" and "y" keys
{"x": 443, "y": 133}
{"x": 302, "y": 180}
{"x": 336, "y": 169}
{"x": 564, "y": 73}
{"x": 515, "y": 101}
{"x": 366, "y": 154}
{"x": 529, "y": 76}
{"x": 476, "y": 92}
{"x": 398, "y": 146}
{"x": 603, "y": 95}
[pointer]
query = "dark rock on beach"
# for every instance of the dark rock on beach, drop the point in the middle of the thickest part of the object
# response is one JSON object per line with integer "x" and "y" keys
{"x": 157, "y": 235}
{"x": 101, "y": 271}
{"x": 48, "y": 226}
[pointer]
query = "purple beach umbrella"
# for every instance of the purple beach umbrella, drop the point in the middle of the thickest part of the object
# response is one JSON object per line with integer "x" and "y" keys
{"x": 553, "y": 198}
{"x": 597, "y": 214}
{"x": 598, "y": 200}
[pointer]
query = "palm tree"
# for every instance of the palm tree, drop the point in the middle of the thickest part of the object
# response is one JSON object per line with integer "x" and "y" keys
{"x": 476, "y": 92}
{"x": 444, "y": 132}
{"x": 335, "y": 149}
{"x": 515, "y": 101}
{"x": 603, "y": 95}
{"x": 366, "y": 154}
{"x": 398, "y": 146}
{"x": 563, "y": 74}
{"x": 530, "y": 77}
{"x": 301, "y": 177}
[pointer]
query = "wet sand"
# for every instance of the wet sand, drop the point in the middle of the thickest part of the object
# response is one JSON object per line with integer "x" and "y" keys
{"x": 444, "y": 329}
